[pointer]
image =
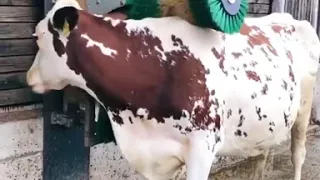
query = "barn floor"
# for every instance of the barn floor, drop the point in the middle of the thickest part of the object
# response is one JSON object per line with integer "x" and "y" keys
{"x": 279, "y": 165}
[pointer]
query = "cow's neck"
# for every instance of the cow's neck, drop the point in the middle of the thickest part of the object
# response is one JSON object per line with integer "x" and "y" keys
{"x": 123, "y": 68}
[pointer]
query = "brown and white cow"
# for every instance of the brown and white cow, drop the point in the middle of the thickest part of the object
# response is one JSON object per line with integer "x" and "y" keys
{"x": 178, "y": 94}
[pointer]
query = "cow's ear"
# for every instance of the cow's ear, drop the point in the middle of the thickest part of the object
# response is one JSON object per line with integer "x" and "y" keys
{"x": 65, "y": 19}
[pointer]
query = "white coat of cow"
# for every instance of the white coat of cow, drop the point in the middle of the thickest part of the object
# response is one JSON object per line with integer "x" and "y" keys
{"x": 256, "y": 86}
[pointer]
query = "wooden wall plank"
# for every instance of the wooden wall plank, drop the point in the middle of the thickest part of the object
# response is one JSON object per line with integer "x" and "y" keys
{"x": 17, "y": 49}
{"x": 12, "y": 116}
{"x": 16, "y": 30}
{"x": 15, "y": 63}
{"x": 18, "y": 96}
{"x": 263, "y": 1}
{"x": 19, "y": 14}
{"x": 304, "y": 10}
{"x": 21, "y": 2}
{"x": 259, "y": 1}
{"x": 12, "y": 47}
{"x": 256, "y": 15}
{"x": 258, "y": 9}
{"x": 13, "y": 81}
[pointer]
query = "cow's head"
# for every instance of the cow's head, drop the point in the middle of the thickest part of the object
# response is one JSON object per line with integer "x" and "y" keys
{"x": 49, "y": 69}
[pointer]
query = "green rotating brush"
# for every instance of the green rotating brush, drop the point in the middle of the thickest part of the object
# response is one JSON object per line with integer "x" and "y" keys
{"x": 139, "y": 9}
{"x": 223, "y": 15}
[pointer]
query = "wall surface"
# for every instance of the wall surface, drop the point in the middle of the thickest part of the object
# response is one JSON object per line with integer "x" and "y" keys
{"x": 259, "y": 7}
{"x": 17, "y": 49}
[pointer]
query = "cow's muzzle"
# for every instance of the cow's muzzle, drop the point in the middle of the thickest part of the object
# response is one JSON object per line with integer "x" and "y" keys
{"x": 35, "y": 82}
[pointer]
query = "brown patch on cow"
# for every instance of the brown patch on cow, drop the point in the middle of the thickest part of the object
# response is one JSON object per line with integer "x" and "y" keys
{"x": 116, "y": 14}
{"x": 256, "y": 37}
{"x": 235, "y": 77}
{"x": 291, "y": 75}
{"x": 217, "y": 121}
{"x": 242, "y": 118}
{"x": 253, "y": 63}
{"x": 229, "y": 113}
{"x": 284, "y": 85}
{"x": 221, "y": 58}
{"x": 213, "y": 92}
{"x": 291, "y": 96}
{"x": 245, "y": 134}
{"x": 236, "y": 55}
{"x": 264, "y": 89}
{"x": 270, "y": 129}
{"x": 117, "y": 119}
{"x": 188, "y": 129}
{"x": 238, "y": 133}
{"x": 247, "y": 50}
{"x": 286, "y": 120}
{"x": 178, "y": 126}
{"x": 253, "y": 76}
{"x": 268, "y": 78}
{"x": 278, "y": 28}
{"x": 258, "y": 111}
{"x": 176, "y": 41}
{"x": 253, "y": 96}
{"x": 161, "y": 88}
{"x": 289, "y": 55}
{"x": 266, "y": 54}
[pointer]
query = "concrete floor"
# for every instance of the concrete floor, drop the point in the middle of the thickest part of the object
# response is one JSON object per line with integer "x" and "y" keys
{"x": 279, "y": 165}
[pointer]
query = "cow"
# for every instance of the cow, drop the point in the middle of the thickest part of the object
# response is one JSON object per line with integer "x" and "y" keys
{"x": 177, "y": 94}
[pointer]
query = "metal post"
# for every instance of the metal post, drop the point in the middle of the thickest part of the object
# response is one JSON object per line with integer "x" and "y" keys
{"x": 278, "y": 6}
{"x": 64, "y": 154}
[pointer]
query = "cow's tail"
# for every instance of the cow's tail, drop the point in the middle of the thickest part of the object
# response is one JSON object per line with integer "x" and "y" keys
{"x": 312, "y": 43}
{"x": 314, "y": 118}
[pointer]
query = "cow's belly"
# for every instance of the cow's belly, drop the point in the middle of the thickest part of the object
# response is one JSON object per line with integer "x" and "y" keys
{"x": 245, "y": 147}
{"x": 266, "y": 122}
{"x": 154, "y": 149}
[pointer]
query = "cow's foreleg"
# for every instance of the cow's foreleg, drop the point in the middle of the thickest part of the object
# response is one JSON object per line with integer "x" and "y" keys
{"x": 260, "y": 166}
{"x": 200, "y": 158}
{"x": 299, "y": 129}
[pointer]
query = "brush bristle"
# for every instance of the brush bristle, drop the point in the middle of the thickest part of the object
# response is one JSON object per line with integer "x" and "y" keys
{"x": 139, "y": 9}
{"x": 225, "y": 22}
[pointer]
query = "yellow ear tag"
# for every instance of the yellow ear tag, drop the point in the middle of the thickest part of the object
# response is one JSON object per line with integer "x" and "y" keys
{"x": 66, "y": 29}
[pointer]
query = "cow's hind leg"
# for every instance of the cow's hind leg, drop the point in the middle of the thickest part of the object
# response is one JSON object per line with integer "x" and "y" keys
{"x": 299, "y": 129}
{"x": 200, "y": 157}
{"x": 260, "y": 166}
